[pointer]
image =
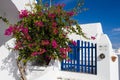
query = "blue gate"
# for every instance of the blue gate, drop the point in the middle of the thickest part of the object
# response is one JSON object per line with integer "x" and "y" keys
{"x": 83, "y": 58}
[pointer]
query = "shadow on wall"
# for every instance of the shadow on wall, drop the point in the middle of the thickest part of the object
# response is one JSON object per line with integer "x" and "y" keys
{"x": 8, "y": 62}
{"x": 9, "y": 11}
{"x": 3, "y": 38}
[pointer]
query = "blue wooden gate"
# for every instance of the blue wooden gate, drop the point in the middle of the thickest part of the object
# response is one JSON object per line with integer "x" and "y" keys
{"x": 83, "y": 58}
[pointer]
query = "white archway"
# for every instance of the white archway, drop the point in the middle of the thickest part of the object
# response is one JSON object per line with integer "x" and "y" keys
{"x": 9, "y": 11}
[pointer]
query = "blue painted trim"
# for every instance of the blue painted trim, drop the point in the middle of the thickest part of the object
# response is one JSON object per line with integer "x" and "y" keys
{"x": 92, "y": 57}
{"x": 83, "y": 58}
{"x": 88, "y": 57}
{"x": 95, "y": 58}
{"x": 78, "y": 55}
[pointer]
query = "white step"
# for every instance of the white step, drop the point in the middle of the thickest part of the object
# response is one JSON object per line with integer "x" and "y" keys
{"x": 52, "y": 73}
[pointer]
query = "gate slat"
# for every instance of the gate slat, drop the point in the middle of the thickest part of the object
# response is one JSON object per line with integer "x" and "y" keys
{"x": 92, "y": 57}
{"x": 74, "y": 59}
{"x": 88, "y": 57}
{"x": 83, "y": 58}
{"x": 78, "y": 56}
{"x": 95, "y": 58}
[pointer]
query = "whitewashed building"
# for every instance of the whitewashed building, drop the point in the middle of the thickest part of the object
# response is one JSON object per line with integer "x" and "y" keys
{"x": 107, "y": 68}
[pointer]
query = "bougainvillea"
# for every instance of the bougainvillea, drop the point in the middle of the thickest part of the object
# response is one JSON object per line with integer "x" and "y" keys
{"x": 42, "y": 33}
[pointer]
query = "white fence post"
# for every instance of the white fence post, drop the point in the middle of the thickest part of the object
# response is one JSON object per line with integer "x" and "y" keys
{"x": 107, "y": 69}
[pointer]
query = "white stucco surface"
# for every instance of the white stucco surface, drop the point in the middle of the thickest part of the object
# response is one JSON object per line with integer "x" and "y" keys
{"x": 10, "y": 9}
{"x": 20, "y": 5}
{"x": 8, "y": 67}
{"x": 90, "y": 30}
{"x": 106, "y": 68}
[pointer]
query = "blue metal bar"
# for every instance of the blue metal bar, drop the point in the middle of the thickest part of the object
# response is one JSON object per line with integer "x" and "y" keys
{"x": 62, "y": 65}
{"x": 95, "y": 58}
{"x": 80, "y": 63}
{"x": 88, "y": 57}
{"x": 78, "y": 55}
{"x": 71, "y": 58}
{"x": 74, "y": 59}
{"x": 65, "y": 64}
{"x": 92, "y": 57}
{"x": 85, "y": 57}
{"x": 82, "y": 56}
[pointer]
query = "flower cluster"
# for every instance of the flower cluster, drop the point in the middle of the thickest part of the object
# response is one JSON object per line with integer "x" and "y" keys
{"x": 42, "y": 34}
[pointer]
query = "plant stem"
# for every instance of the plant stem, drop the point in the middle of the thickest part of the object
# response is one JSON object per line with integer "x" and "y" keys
{"x": 21, "y": 70}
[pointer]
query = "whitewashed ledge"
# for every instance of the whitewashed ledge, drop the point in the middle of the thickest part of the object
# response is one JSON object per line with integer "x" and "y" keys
{"x": 9, "y": 69}
{"x": 54, "y": 74}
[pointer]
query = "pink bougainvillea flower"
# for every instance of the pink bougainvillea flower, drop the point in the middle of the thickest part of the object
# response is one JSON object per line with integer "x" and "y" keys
{"x": 67, "y": 27}
{"x": 55, "y": 31}
{"x": 64, "y": 56}
{"x": 40, "y": 13}
{"x": 9, "y": 31}
{"x": 18, "y": 45}
{"x": 51, "y": 15}
{"x": 71, "y": 13}
{"x": 45, "y": 42}
{"x": 30, "y": 45}
{"x": 23, "y": 13}
{"x": 93, "y": 37}
{"x": 46, "y": 5}
{"x": 60, "y": 5}
{"x": 34, "y": 54}
{"x": 15, "y": 29}
{"x": 25, "y": 30}
{"x": 38, "y": 53}
{"x": 42, "y": 51}
{"x": 69, "y": 60}
{"x": 73, "y": 42}
{"x": 28, "y": 37}
{"x": 64, "y": 35}
{"x": 54, "y": 44}
{"x": 62, "y": 50}
{"x": 39, "y": 23}
{"x": 68, "y": 49}
{"x": 65, "y": 50}
{"x": 54, "y": 24}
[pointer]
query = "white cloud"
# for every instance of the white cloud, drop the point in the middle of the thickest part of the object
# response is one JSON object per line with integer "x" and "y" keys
{"x": 116, "y": 29}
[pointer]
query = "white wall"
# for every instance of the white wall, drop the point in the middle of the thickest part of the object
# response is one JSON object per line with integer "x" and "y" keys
{"x": 8, "y": 67}
{"x": 21, "y": 4}
{"x": 9, "y": 10}
{"x": 107, "y": 70}
{"x": 91, "y": 29}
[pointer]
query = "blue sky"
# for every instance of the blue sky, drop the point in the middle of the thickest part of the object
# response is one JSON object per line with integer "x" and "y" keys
{"x": 107, "y": 12}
